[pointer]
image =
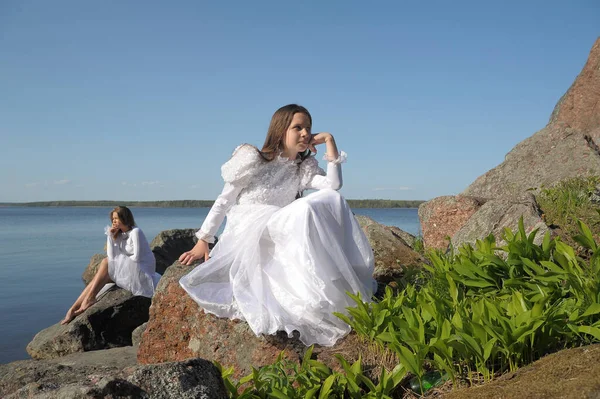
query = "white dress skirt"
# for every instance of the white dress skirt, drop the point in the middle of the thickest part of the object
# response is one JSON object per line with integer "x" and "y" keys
{"x": 295, "y": 276}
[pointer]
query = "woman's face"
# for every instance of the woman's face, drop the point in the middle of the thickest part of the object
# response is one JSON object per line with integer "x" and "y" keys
{"x": 297, "y": 136}
{"x": 116, "y": 222}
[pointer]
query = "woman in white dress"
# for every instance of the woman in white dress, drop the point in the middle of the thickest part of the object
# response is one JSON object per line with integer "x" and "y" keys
{"x": 130, "y": 263}
{"x": 283, "y": 263}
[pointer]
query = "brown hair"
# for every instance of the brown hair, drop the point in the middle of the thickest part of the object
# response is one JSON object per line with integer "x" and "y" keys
{"x": 281, "y": 120}
{"x": 124, "y": 215}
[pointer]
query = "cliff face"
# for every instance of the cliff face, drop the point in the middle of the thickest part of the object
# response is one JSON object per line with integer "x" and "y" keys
{"x": 579, "y": 107}
{"x": 567, "y": 147}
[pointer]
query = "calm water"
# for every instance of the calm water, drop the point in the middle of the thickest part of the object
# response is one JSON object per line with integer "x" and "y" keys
{"x": 44, "y": 251}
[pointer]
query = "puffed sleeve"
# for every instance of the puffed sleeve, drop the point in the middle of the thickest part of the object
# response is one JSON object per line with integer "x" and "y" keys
{"x": 313, "y": 177}
{"x": 237, "y": 173}
{"x": 242, "y": 165}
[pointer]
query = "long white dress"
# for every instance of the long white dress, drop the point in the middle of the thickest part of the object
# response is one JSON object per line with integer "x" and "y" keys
{"x": 131, "y": 263}
{"x": 281, "y": 263}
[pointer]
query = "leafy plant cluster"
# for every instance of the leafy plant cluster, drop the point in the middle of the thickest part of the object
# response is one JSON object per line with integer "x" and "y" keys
{"x": 478, "y": 311}
{"x": 569, "y": 201}
{"x": 285, "y": 379}
{"x": 487, "y": 309}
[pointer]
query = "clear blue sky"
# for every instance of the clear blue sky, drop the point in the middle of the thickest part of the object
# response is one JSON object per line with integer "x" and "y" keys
{"x": 144, "y": 100}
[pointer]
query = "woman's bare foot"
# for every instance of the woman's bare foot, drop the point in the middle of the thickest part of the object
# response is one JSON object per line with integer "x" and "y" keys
{"x": 68, "y": 317}
{"x": 84, "y": 306}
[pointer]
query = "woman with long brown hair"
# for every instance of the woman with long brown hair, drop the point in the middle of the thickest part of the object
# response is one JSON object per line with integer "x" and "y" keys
{"x": 130, "y": 263}
{"x": 284, "y": 262}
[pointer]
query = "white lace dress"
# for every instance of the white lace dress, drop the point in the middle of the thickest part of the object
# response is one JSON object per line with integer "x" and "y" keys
{"x": 282, "y": 264}
{"x": 131, "y": 263}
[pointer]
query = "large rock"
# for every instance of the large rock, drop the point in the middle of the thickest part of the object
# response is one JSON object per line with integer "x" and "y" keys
{"x": 569, "y": 374}
{"x": 168, "y": 245}
{"x": 179, "y": 329}
{"x": 106, "y": 324}
{"x": 567, "y": 147}
{"x": 553, "y": 154}
{"x": 111, "y": 373}
{"x": 37, "y": 377}
{"x": 579, "y": 107}
{"x": 392, "y": 249}
{"x": 442, "y": 217}
{"x": 496, "y": 215}
{"x": 193, "y": 379}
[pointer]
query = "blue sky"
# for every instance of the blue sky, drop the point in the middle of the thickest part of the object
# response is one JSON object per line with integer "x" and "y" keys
{"x": 144, "y": 100}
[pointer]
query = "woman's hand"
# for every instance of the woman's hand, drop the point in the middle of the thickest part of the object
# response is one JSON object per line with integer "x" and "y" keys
{"x": 114, "y": 232}
{"x": 327, "y": 138}
{"x": 319, "y": 138}
{"x": 199, "y": 251}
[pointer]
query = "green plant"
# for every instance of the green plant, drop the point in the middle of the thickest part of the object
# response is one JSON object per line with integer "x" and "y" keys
{"x": 311, "y": 379}
{"x": 483, "y": 312}
{"x": 568, "y": 201}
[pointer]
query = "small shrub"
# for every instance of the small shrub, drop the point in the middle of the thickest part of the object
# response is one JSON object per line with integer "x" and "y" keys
{"x": 568, "y": 201}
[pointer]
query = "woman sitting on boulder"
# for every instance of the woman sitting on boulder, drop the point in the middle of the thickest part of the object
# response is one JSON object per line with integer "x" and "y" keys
{"x": 130, "y": 263}
{"x": 282, "y": 263}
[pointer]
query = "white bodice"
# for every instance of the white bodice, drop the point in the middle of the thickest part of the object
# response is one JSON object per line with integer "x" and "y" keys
{"x": 252, "y": 180}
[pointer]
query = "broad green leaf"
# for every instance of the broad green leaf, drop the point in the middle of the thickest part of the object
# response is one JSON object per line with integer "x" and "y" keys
{"x": 585, "y": 238}
{"x": 487, "y": 349}
{"x": 408, "y": 359}
{"x": 594, "y": 308}
{"x": 452, "y": 288}
{"x": 326, "y": 388}
{"x": 310, "y": 394}
{"x": 593, "y": 331}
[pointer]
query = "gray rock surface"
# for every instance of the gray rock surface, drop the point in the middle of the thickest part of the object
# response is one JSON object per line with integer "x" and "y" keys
{"x": 136, "y": 335}
{"x": 554, "y": 153}
{"x": 28, "y": 378}
{"x": 496, "y": 215}
{"x": 567, "y": 147}
{"x": 168, "y": 245}
{"x": 391, "y": 247}
{"x": 195, "y": 378}
{"x": 110, "y": 373}
{"x": 108, "y": 323}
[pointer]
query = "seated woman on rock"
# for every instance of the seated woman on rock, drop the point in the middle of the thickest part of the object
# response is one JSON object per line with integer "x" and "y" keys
{"x": 282, "y": 263}
{"x": 130, "y": 263}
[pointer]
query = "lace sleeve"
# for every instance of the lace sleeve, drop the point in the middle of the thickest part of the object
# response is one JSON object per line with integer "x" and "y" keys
{"x": 242, "y": 165}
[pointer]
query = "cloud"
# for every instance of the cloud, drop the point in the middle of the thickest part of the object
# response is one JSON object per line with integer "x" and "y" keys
{"x": 154, "y": 183}
{"x": 399, "y": 188}
{"x": 47, "y": 183}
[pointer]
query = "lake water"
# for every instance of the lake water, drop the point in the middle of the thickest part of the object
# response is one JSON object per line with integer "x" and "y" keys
{"x": 44, "y": 251}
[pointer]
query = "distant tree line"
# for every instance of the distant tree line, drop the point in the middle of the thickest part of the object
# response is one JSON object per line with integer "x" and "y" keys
{"x": 363, "y": 203}
{"x": 379, "y": 203}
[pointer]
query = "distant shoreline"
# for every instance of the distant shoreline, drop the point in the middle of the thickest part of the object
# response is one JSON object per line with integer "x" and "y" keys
{"x": 363, "y": 203}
